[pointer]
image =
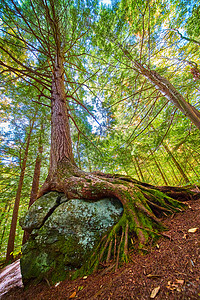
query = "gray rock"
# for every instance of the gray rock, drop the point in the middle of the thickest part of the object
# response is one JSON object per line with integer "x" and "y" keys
{"x": 63, "y": 237}
{"x": 40, "y": 210}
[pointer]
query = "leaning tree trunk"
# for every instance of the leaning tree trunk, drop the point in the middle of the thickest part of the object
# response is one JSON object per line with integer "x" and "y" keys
{"x": 143, "y": 204}
{"x": 170, "y": 92}
{"x": 11, "y": 239}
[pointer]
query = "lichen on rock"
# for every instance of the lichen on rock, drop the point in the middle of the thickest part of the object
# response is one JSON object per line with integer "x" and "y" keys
{"x": 64, "y": 234}
{"x": 40, "y": 210}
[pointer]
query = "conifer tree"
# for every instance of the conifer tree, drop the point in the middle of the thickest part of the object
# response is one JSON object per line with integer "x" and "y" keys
{"x": 53, "y": 37}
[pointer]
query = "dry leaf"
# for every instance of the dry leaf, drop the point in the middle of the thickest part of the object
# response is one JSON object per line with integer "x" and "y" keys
{"x": 181, "y": 281}
{"x": 84, "y": 277}
{"x": 154, "y": 292}
{"x": 153, "y": 276}
{"x": 192, "y": 230}
{"x": 73, "y": 295}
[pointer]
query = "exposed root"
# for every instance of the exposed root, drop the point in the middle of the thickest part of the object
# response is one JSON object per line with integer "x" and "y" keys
{"x": 115, "y": 247}
{"x": 143, "y": 204}
{"x": 126, "y": 241}
{"x": 118, "y": 252}
{"x": 109, "y": 252}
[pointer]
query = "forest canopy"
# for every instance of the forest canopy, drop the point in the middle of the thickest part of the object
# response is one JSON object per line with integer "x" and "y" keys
{"x": 128, "y": 74}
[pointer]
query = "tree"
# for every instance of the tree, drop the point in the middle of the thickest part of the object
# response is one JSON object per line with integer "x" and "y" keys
{"x": 54, "y": 35}
{"x": 11, "y": 240}
{"x": 36, "y": 176}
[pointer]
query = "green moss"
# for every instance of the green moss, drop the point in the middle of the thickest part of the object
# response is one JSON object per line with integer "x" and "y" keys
{"x": 140, "y": 205}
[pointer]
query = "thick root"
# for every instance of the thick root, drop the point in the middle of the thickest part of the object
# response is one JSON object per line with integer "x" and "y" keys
{"x": 144, "y": 206}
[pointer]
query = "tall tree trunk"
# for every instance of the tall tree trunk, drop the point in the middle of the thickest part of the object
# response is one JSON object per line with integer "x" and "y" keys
{"x": 170, "y": 92}
{"x": 140, "y": 171}
{"x": 4, "y": 222}
{"x": 11, "y": 239}
{"x": 36, "y": 178}
{"x": 61, "y": 144}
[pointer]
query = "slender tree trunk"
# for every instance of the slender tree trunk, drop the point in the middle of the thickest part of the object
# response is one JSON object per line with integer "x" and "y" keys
{"x": 173, "y": 171}
{"x": 138, "y": 176}
{"x": 153, "y": 179}
{"x": 36, "y": 179}
{"x": 61, "y": 144}
{"x": 11, "y": 239}
{"x": 170, "y": 92}
{"x": 158, "y": 167}
{"x": 4, "y": 222}
{"x": 138, "y": 165}
{"x": 184, "y": 176}
{"x": 193, "y": 170}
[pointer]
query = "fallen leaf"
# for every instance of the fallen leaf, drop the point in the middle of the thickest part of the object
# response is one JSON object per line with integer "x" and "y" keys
{"x": 84, "y": 277}
{"x": 192, "y": 230}
{"x": 174, "y": 285}
{"x": 180, "y": 281}
{"x": 157, "y": 246}
{"x": 154, "y": 292}
{"x": 185, "y": 236}
{"x": 153, "y": 276}
{"x": 73, "y": 295}
{"x": 80, "y": 288}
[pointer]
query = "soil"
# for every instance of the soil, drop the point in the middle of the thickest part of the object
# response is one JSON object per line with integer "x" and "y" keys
{"x": 170, "y": 270}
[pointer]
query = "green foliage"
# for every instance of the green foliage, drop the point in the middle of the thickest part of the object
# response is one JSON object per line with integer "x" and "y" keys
{"x": 119, "y": 122}
{"x": 193, "y": 23}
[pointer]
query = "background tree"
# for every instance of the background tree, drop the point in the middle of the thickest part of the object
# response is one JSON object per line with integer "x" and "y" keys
{"x": 55, "y": 37}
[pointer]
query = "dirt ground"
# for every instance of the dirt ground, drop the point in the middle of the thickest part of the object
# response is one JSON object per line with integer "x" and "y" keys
{"x": 171, "y": 270}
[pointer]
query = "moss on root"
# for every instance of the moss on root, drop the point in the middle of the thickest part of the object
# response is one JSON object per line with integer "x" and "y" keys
{"x": 144, "y": 206}
{"x": 138, "y": 227}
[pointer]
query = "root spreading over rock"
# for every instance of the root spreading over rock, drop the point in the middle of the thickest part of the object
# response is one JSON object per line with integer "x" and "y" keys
{"x": 144, "y": 205}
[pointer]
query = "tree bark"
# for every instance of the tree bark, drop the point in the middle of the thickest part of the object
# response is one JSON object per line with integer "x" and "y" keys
{"x": 11, "y": 239}
{"x": 170, "y": 92}
{"x": 61, "y": 144}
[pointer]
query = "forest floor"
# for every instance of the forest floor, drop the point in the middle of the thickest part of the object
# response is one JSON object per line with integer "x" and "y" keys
{"x": 171, "y": 270}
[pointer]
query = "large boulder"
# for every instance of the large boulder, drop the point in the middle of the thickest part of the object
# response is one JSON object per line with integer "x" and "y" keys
{"x": 63, "y": 234}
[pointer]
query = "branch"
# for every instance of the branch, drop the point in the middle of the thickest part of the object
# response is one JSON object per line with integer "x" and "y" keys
{"x": 41, "y": 103}
{"x": 184, "y": 37}
{"x": 69, "y": 96}
{"x": 84, "y": 134}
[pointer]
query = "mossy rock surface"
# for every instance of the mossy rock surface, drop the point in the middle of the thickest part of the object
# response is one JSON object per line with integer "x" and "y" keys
{"x": 40, "y": 210}
{"x": 67, "y": 237}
